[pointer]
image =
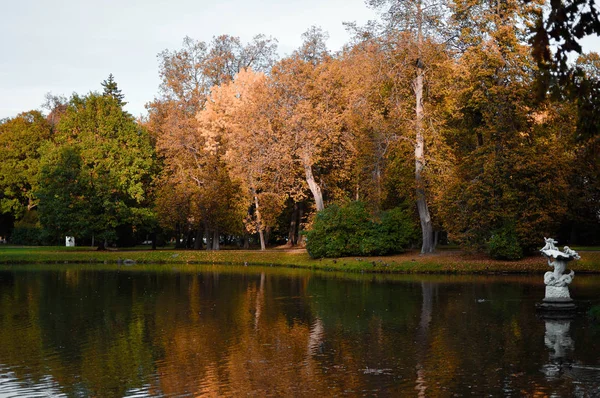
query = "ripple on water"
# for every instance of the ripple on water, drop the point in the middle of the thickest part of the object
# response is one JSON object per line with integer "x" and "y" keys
{"x": 11, "y": 386}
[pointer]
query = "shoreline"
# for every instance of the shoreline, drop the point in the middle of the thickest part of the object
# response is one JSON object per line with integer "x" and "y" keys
{"x": 443, "y": 262}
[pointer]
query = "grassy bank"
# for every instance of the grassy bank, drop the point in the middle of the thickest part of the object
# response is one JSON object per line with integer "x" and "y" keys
{"x": 412, "y": 262}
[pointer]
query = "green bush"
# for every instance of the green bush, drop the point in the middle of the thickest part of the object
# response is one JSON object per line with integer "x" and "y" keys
{"x": 504, "y": 244}
{"x": 350, "y": 230}
{"x": 30, "y": 236}
{"x": 29, "y": 232}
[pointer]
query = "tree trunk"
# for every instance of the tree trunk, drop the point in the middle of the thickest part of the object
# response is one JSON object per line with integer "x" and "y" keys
{"x": 377, "y": 176}
{"x": 267, "y": 235}
{"x": 210, "y": 239}
{"x": 259, "y": 226}
{"x": 246, "y": 244}
{"x": 314, "y": 187}
{"x": 101, "y": 245}
{"x": 293, "y": 232}
{"x": 424, "y": 216}
{"x": 299, "y": 238}
{"x": 177, "y": 236}
{"x": 153, "y": 235}
{"x": 215, "y": 240}
{"x": 189, "y": 240}
{"x": 261, "y": 236}
{"x": 207, "y": 235}
{"x": 198, "y": 240}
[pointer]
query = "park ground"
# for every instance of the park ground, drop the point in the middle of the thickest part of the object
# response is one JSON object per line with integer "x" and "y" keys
{"x": 444, "y": 261}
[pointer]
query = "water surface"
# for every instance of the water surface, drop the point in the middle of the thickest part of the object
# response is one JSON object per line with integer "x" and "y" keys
{"x": 231, "y": 331}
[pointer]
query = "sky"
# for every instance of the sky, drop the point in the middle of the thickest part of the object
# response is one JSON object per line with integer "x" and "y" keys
{"x": 67, "y": 46}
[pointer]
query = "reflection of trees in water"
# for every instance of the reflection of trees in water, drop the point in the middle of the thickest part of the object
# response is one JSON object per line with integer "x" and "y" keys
{"x": 85, "y": 340}
{"x": 106, "y": 333}
{"x": 423, "y": 335}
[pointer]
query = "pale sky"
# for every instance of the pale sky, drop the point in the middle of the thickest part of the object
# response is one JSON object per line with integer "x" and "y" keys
{"x": 66, "y": 46}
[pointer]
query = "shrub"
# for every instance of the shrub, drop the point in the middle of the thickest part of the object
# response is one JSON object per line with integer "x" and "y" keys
{"x": 29, "y": 232}
{"x": 351, "y": 230}
{"x": 504, "y": 244}
{"x": 30, "y": 236}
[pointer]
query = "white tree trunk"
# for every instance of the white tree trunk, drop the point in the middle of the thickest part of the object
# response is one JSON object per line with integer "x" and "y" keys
{"x": 424, "y": 216}
{"x": 259, "y": 225}
{"x": 314, "y": 187}
{"x": 423, "y": 336}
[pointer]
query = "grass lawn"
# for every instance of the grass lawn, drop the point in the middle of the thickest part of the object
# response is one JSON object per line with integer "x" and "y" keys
{"x": 445, "y": 261}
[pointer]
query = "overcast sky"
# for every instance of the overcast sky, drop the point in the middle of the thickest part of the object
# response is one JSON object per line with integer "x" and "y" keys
{"x": 66, "y": 46}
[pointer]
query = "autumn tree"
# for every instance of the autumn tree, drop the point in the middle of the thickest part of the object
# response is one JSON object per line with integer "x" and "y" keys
{"x": 380, "y": 114}
{"x": 582, "y": 224}
{"x": 306, "y": 93}
{"x": 513, "y": 153}
{"x": 56, "y": 105}
{"x": 187, "y": 76}
{"x": 420, "y": 24}
{"x": 556, "y": 31}
{"x": 238, "y": 119}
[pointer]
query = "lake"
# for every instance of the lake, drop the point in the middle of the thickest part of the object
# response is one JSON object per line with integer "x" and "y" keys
{"x": 230, "y": 331}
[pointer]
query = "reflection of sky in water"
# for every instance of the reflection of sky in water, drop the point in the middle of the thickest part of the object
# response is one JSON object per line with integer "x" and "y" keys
{"x": 11, "y": 386}
{"x": 237, "y": 331}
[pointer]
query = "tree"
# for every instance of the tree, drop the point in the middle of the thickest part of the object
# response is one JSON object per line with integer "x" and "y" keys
{"x": 306, "y": 96}
{"x": 582, "y": 224}
{"x": 513, "y": 153}
{"x": 112, "y": 90}
{"x": 95, "y": 174}
{"x": 237, "y": 120}
{"x": 187, "y": 76}
{"x": 56, "y": 105}
{"x": 561, "y": 26}
{"x": 420, "y": 20}
{"x": 20, "y": 140}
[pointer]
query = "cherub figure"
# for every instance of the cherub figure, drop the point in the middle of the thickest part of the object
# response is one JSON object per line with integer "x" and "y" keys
{"x": 558, "y": 260}
{"x": 571, "y": 253}
{"x": 549, "y": 244}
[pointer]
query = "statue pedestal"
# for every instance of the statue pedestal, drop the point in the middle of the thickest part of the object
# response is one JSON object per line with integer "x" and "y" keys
{"x": 557, "y": 307}
{"x": 557, "y": 292}
{"x": 558, "y": 303}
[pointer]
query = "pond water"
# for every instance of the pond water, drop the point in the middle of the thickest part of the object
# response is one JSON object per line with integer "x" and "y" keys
{"x": 232, "y": 331}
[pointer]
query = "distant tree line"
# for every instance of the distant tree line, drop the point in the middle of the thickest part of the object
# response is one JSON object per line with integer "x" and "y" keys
{"x": 451, "y": 116}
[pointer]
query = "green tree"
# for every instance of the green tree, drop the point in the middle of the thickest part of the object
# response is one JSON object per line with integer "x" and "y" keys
{"x": 20, "y": 141}
{"x": 111, "y": 89}
{"x": 95, "y": 174}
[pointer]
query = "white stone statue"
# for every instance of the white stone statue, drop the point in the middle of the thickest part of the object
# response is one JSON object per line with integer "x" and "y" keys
{"x": 557, "y": 283}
